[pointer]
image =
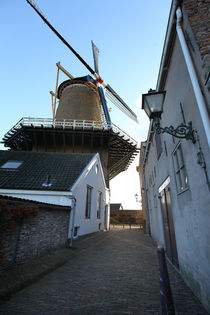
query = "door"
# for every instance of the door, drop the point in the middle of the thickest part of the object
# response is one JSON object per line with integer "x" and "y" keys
{"x": 168, "y": 226}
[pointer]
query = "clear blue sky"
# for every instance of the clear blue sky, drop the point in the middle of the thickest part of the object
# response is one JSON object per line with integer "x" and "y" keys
{"x": 129, "y": 35}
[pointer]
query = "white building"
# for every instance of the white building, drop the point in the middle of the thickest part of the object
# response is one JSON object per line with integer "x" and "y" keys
{"x": 66, "y": 179}
{"x": 176, "y": 171}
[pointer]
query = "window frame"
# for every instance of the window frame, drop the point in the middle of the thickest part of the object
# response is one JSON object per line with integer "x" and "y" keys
{"x": 159, "y": 146}
{"x": 99, "y": 204}
{"x": 11, "y": 165}
{"x": 180, "y": 173}
{"x": 88, "y": 203}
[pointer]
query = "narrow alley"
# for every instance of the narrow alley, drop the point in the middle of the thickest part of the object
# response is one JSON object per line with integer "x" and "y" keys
{"x": 113, "y": 272}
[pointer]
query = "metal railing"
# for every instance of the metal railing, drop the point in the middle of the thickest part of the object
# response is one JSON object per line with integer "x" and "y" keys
{"x": 67, "y": 123}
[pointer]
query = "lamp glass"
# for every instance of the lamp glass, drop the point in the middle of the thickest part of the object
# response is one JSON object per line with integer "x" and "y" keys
{"x": 145, "y": 106}
{"x": 152, "y": 103}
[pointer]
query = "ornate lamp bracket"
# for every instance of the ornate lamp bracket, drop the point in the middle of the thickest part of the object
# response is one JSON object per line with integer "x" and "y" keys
{"x": 183, "y": 131}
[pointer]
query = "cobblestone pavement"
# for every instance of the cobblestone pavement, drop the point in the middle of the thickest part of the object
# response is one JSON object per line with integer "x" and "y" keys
{"x": 108, "y": 273}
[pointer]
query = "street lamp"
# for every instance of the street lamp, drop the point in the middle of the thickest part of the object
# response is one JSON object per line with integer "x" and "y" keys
{"x": 152, "y": 104}
{"x": 137, "y": 198}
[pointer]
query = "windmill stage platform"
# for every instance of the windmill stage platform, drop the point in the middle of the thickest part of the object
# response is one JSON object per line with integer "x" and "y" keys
{"x": 49, "y": 135}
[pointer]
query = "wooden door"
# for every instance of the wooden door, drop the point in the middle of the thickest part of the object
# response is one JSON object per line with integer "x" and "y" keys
{"x": 168, "y": 226}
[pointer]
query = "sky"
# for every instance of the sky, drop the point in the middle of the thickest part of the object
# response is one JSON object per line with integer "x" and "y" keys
{"x": 129, "y": 35}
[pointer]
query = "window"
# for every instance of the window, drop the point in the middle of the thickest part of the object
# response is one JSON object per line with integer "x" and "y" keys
{"x": 96, "y": 168}
{"x": 11, "y": 164}
{"x": 154, "y": 197}
{"x": 159, "y": 148}
{"x": 99, "y": 204}
{"x": 180, "y": 171}
{"x": 88, "y": 202}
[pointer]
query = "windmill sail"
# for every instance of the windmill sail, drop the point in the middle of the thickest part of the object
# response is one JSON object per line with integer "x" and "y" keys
{"x": 95, "y": 56}
{"x": 100, "y": 90}
{"x": 118, "y": 100}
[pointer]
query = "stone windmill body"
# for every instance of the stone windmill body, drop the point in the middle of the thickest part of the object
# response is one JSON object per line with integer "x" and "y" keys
{"x": 80, "y": 123}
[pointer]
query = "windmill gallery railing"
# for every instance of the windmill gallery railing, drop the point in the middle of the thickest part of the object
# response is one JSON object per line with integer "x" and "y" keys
{"x": 65, "y": 124}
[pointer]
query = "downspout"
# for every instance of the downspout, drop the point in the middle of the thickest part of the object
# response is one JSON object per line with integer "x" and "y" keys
{"x": 146, "y": 203}
{"x": 194, "y": 80}
{"x": 72, "y": 219}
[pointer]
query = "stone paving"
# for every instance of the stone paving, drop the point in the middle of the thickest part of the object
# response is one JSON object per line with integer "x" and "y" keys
{"x": 113, "y": 272}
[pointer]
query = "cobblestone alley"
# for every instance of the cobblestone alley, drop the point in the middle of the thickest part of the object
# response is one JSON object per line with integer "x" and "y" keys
{"x": 114, "y": 272}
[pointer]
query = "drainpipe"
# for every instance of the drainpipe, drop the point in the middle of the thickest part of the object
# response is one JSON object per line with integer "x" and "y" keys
{"x": 72, "y": 219}
{"x": 194, "y": 80}
{"x": 146, "y": 203}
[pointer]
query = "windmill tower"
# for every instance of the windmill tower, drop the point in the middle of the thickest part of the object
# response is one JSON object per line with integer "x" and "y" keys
{"x": 81, "y": 122}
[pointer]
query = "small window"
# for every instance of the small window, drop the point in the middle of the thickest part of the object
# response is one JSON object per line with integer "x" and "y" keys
{"x": 180, "y": 171}
{"x": 88, "y": 202}
{"x": 159, "y": 147}
{"x": 96, "y": 168}
{"x": 99, "y": 204}
{"x": 11, "y": 164}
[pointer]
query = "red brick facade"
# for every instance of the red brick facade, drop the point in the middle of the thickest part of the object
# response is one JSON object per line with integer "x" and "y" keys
{"x": 198, "y": 12}
{"x": 33, "y": 236}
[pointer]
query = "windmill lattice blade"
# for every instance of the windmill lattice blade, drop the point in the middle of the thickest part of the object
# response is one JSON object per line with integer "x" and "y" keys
{"x": 104, "y": 104}
{"x": 116, "y": 100}
{"x": 35, "y": 7}
{"x": 95, "y": 56}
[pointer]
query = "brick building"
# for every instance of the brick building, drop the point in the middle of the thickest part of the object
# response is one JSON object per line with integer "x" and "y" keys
{"x": 68, "y": 189}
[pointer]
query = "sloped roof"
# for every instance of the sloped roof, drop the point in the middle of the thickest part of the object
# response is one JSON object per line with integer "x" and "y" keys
{"x": 35, "y": 203}
{"x": 42, "y": 170}
{"x": 116, "y": 206}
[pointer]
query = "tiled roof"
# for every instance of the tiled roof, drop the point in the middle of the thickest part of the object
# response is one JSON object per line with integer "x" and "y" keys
{"x": 42, "y": 170}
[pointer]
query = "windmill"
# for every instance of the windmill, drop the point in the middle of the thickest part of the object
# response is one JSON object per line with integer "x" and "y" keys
{"x": 81, "y": 121}
{"x": 113, "y": 96}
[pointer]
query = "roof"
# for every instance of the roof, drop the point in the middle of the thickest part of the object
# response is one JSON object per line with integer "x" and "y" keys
{"x": 116, "y": 206}
{"x": 33, "y": 203}
{"x": 32, "y": 133}
{"x": 42, "y": 170}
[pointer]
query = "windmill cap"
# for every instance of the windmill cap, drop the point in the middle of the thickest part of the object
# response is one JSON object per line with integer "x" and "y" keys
{"x": 80, "y": 80}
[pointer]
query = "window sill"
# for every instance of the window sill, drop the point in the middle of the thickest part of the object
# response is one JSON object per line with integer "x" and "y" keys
{"x": 181, "y": 192}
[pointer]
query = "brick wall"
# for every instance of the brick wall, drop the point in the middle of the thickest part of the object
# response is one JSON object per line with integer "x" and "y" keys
{"x": 34, "y": 236}
{"x": 126, "y": 217}
{"x": 196, "y": 22}
{"x": 198, "y": 12}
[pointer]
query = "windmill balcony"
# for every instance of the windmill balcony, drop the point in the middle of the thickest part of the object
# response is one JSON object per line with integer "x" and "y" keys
{"x": 66, "y": 123}
{"x": 116, "y": 148}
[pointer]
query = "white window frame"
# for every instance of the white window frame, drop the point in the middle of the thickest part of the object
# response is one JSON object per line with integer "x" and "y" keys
{"x": 180, "y": 173}
{"x": 88, "y": 204}
{"x": 99, "y": 204}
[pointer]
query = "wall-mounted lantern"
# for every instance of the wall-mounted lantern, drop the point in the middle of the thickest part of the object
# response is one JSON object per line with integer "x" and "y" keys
{"x": 152, "y": 104}
{"x": 137, "y": 198}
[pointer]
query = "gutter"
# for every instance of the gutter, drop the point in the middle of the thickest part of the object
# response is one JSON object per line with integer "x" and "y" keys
{"x": 72, "y": 218}
{"x": 59, "y": 198}
{"x": 170, "y": 33}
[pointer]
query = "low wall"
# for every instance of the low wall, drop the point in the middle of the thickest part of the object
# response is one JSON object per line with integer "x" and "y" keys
{"x": 33, "y": 236}
{"x": 131, "y": 217}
